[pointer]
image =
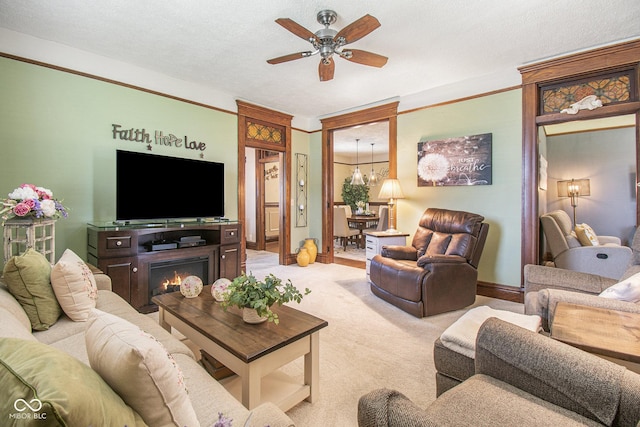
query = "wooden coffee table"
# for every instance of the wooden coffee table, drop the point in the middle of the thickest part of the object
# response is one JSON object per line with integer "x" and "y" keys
{"x": 611, "y": 334}
{"x": 251, "y": 351}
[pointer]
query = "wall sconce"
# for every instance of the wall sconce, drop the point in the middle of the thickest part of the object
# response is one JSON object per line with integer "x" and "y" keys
{"x": 391, "y": 190}
{"x": 573, "y": 189}
{"x": 301, "y": 190}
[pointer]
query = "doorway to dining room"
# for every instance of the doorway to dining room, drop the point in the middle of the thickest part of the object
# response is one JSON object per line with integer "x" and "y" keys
{"x": 364, "y": 141}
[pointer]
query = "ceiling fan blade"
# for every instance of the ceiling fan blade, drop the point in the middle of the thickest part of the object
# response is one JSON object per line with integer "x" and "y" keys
{"x": 367, "y": 58}
{"x": 289, "y": 57}
{"x": 326, "y": 70}
{"x": 297, "y": 29}
{"x": 358, "y": 29}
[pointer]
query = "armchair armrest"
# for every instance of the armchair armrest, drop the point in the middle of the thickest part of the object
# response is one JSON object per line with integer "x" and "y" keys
{"x": 399, "y": 252}
{"x": 425, "y": 260}
{"x": 548, "y": 300}
{"x": 389, "y": 408}
{"x": 103, "y": 282}
{"x": 538, "y": 277}
{"x": 605, "y": 260}
{"x": 553, "y": 371}
{"x": 609, "y": 240}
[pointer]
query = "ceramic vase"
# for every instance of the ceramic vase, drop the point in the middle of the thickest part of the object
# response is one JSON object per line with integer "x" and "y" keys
{"x": 303, "y": 257}
{"x": 312, "y": 249}
{"x": 250, "y": 315}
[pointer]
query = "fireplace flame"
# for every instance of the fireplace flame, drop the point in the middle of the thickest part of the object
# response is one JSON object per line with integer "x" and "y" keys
{"x": 177, "y": 280}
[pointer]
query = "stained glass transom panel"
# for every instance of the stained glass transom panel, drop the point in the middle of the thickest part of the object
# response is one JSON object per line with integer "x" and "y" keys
{"x": 609, "y": 90}
{"x": 260, "y": 132}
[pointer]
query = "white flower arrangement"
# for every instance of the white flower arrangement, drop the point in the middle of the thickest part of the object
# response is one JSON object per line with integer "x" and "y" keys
{"x": 30, "y": 200}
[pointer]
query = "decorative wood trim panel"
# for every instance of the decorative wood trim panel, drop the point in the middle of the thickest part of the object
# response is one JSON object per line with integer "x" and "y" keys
{"x": 573, "y": 67}
{"x": 249, "y": 112}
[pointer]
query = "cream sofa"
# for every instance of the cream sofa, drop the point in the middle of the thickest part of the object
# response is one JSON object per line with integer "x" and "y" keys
{"x": 207, "y": 396}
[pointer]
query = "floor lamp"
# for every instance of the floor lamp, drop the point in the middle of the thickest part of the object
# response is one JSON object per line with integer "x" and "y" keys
{"x": 574, "y": 189}
{"x": 391, "y": 190}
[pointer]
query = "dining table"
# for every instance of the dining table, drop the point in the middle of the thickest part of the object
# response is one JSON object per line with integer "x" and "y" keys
{"x": 362, "y": 222}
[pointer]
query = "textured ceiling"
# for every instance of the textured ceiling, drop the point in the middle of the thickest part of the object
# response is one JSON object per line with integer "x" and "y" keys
{"x": 225, "y": 44}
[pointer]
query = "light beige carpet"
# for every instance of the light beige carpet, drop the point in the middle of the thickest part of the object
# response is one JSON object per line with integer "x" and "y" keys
{"x": 351, "y": 252}
{"x": 368, "y": 344}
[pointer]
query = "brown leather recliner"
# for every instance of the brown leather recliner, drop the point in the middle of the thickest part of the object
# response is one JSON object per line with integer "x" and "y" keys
{"x": 439, "y": 271}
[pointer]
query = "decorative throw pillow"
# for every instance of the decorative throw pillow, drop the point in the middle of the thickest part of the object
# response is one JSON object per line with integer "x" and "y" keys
{"x": 586, "y": 235}
{"x": 625, "y": 290}
{"x": 28, "y": 279}
{"x": 74, "y": 286}
{"x": 42, "y": 385}
{"x": 139, "y": 369}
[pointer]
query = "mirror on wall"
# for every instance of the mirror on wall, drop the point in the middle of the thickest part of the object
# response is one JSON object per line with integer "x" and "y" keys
{"x": 602, "y": 151}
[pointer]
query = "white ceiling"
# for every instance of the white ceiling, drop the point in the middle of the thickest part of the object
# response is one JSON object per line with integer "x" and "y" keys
{"x": 432, "y": 45}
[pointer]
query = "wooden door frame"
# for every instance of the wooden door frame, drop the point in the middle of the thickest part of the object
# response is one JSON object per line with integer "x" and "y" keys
{"x": 388, "y": 112}
{"x": 247, "y": 113}
{"x": 602, "y": 60}
{"x": 261, "y": 219}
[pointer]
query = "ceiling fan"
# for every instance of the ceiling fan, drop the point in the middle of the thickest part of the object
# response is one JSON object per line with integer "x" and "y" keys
{"x": 328, "y": 41}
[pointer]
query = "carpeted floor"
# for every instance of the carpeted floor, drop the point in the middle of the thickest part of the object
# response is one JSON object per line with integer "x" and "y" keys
{"x": 368, "y": 344}
{"x": 351, "y": 253}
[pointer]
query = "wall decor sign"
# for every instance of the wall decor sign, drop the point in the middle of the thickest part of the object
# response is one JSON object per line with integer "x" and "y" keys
{"x": 464, "y": 160}
{"x": 169, "y": 140}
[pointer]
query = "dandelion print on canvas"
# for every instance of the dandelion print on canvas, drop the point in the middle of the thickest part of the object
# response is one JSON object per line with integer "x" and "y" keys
{"x": 455, "y": 161}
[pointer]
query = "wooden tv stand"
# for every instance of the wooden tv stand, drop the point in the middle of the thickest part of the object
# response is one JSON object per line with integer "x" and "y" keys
{"x": 125, "y": 252}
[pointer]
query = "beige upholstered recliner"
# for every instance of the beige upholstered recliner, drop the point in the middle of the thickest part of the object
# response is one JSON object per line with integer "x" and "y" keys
{"x": 608, "y": 259}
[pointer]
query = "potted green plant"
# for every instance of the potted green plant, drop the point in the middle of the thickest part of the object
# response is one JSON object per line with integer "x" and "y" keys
{"x": 351, "y": 194}
{"x": 247, "y": 292}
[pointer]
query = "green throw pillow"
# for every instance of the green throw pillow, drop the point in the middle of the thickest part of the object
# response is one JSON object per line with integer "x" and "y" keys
{"x": 28, "y": 278}
{"x": 43, "y": 386}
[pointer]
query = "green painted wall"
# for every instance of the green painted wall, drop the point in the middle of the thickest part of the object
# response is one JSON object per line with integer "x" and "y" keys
{"x": 500, "y": 203}
{"x": 55, "y": 132}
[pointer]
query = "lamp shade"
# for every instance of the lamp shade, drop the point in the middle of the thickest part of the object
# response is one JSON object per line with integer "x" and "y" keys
{"x": 574, "y": 187}
{"x": 391, "y": 189}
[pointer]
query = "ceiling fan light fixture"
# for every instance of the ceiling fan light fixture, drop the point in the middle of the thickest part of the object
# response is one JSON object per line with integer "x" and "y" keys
{"x": 328, "y": 41}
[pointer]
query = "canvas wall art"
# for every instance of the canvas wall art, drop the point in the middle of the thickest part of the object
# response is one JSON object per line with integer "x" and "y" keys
{"x": 463, "y": 160}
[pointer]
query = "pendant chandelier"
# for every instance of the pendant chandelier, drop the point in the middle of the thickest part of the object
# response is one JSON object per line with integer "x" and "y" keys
{"x": 356, "y": 179}
{"x": 373, "y": 179}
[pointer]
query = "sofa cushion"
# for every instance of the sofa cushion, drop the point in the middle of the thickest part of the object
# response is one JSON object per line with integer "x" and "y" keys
{"x": 57, "y": 387}
{"x": 11, "y": 327}
{"x": 625, "y": 290}
{"x": 13, "y": 307}
{"x": 74, "y": 286}
{"x": 28, "y": 279}
{"x": 139, "y": 369}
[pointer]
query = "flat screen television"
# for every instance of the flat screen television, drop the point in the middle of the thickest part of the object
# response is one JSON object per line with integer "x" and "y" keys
{"x": 153, "y": 187}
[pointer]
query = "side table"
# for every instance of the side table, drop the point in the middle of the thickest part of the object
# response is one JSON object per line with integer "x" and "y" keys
{"x": 374, "y": 240}
{"x": 21, "y": 234}
{"x": 611, "y": 334}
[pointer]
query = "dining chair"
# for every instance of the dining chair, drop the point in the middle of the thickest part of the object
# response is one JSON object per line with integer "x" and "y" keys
{"x": 341, "y": 228}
